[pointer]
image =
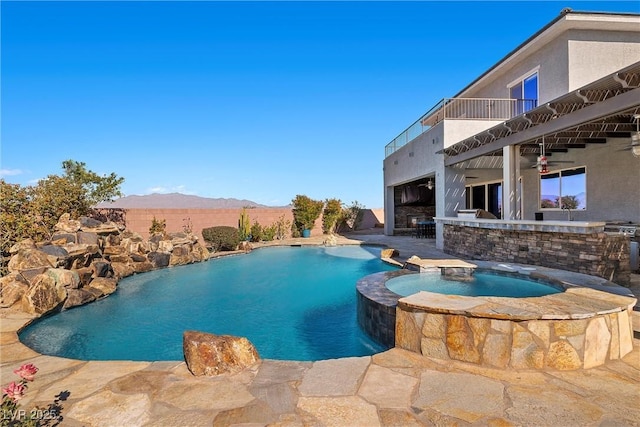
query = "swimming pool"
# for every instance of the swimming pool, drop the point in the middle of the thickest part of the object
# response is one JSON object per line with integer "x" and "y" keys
{"x": 479, "y": 284}
{"x": 292, "y": 303}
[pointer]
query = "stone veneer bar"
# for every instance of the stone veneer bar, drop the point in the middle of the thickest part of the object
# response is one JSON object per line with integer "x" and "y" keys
{"x": 583, "y": 247}
{"x": 581, "y": 328}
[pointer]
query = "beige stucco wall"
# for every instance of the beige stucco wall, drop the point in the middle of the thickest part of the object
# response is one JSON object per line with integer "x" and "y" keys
{"x": 593, "y": 55}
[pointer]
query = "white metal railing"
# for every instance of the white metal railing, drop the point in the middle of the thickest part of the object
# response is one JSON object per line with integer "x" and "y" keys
{"x": 461, "y": 109}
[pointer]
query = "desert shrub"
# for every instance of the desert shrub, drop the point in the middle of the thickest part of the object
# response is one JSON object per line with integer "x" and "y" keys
{"x": 269, "y": 232}
{"x": 351, "y": 216}
{"x": 221, "y": 238}
{"x": 331, "y": 215}
{"x": 282, "y": 228}
{"x": 157, "y": 226}
{"x": 256, "y": 232}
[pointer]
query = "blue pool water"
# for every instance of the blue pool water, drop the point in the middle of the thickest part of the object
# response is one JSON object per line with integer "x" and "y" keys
{"x": 292, "y": 303}
{"x": 481, "y": 284}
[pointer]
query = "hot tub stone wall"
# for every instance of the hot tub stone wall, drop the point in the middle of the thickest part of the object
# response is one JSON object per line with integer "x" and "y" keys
{"x": 598, "y": 254}
{"x": 534, "y": 344}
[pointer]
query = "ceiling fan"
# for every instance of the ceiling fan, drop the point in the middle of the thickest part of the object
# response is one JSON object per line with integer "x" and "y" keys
{"x": 634, "y": 147}
{"x": 542, "y": 163}
{"x": 429, "y": 184}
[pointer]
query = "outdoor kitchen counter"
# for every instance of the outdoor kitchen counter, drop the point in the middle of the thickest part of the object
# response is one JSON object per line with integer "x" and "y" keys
{"x": 578, "y": 227}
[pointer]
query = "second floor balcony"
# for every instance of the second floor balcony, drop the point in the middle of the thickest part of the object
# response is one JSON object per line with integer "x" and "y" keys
{"x": 491, "y": 109}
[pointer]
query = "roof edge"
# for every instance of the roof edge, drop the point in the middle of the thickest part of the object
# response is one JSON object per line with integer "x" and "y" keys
{"x": 563, "y": 13}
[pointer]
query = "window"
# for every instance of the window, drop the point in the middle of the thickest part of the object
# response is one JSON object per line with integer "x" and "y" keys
{"x": 525, "y": 92}
{"x": 485, "y": 196}
{"x": 565, "y": 188}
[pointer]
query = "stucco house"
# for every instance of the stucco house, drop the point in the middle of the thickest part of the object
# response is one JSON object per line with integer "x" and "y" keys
{"x": 568, "y": 96}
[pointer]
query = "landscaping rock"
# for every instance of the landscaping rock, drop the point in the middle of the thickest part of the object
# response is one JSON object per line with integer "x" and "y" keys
{"x": 57, "y": 253}
{"x": 181, "y": 255}
{"x": 142, "y": 267}
{"x": 389, "y": 253}
{"x": 101, "y": 268}
{"x": 124, "y": 259}
{"x": 201, "y": 252}
{"x": 12, "y": 287}
{"x": 28, "y": 259}
{"x": 85, "y": 274}
{"x": 87, "y": 238}
{"x": 159, "y": 259}
{"x": 86, "y": 222}
{"x": 210, "y": 355}
{"x": 165, "y": 246}
{"x": 64, "y": 237}
{"x": 121, "y": 269}
{"x": 67, "y": 225}
{"x": 66, "y": 278}
{"x": 138, "y": 258}
{"x": 105, "y": 285}
{"x": 76, "y": 297}
{"x": 43, "y": 296}
{"x": 22, "y": 245}
{"x": 110, "y": 251}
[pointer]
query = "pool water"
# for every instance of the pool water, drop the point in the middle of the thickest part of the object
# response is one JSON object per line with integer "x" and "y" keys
{"x": 292, "y": 303}
{"x": 480, "y": 284}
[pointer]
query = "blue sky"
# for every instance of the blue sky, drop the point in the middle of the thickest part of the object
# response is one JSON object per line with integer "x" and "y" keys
{"x": 252, "y": 100}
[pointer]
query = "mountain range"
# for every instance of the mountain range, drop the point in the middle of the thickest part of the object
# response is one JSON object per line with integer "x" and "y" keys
{"x": 178, "y": 201}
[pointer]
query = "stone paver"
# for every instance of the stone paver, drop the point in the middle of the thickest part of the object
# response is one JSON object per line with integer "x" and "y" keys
{"x": 393, "y": 388}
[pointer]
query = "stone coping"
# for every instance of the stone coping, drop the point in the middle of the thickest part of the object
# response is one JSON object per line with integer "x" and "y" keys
{"x": 583, "y": 297}
{"x": 577, "y": 227}
{"x": 440, "y": 263}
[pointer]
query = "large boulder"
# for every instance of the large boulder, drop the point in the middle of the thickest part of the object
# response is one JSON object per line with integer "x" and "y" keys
{"x": 110, "y": 251}
{"x": 142, "y": 267}
{"x": 85, "y": 274}
{"x": 210, "y": 355}
{"x": 67, "y": 225}
{"x": 121, "y": 269}
{"x": 65, "y": 278}
{"x": 87, "y": 238}
{"x": 22, "y": 245}
{"x": 94, "y": 226}
{"x": 105, "y": 285}
{"x": 28, "y": 259}
{"x": 165, "y": 246}
{"x": 181, "y": 255}
{"x": 76, "y": 297}
{"x": 43, "y": 296}
{"x": 77, "y": 250}
{"x": 58, "y": 255}
{"x": 12, "y": 287}
{"x": 200, "y": 252}
{"x": 101, "y": 268}
{"x": 159, "y": 259}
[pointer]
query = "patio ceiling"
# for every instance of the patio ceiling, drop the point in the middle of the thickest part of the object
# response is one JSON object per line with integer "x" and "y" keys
{"x": 602, "y": 109}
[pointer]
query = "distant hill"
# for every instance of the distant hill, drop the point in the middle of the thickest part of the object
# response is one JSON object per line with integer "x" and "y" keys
{"x": 582, "y": 199}
{"x": 178, "y": 201}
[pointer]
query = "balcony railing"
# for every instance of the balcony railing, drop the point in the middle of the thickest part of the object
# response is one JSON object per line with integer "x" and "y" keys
{"x": 461, "y": 109}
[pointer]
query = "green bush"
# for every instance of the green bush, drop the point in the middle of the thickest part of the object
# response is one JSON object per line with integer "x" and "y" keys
{"x": 331, "y": 214}
{"x": 305, "y": 212}
{"x": 256, "y": 232}
{"x": 269, "y": 232}
{"x": 222, "y": 237}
